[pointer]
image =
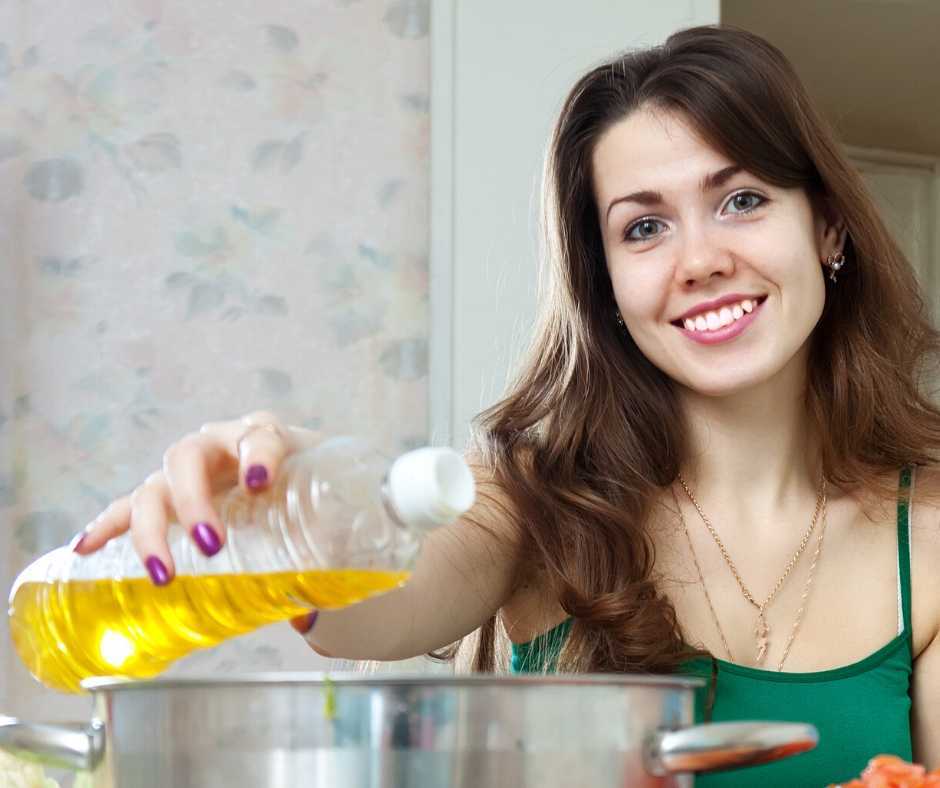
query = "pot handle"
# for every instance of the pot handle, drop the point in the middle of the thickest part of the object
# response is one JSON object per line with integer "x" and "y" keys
{"x": 71, "y": 745}
{"x": 726, "y": 745}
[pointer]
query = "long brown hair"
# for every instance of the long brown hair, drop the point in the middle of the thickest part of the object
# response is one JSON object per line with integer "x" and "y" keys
{"x": 591, "y": 432}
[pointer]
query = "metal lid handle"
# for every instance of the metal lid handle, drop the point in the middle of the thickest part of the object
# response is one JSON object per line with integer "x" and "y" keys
{"x": 74, "y": 746}
{"x": 726, "y": 745}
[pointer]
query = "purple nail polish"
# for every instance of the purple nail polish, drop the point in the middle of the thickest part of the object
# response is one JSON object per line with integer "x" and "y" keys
{"x": 157, "y": 571}
{"x": 206, "y": 538}
{"x": 256, "y": 476}
{"x": 303, "y": 624}
{"x": 77, "y": 542}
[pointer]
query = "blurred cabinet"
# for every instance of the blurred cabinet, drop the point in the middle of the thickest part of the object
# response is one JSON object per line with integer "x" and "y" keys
{"x": 499, "y": 74}
{"x": 907, "y": 190}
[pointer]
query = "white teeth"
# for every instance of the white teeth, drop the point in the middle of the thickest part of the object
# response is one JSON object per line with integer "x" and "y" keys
{"x": 712, "y": 321}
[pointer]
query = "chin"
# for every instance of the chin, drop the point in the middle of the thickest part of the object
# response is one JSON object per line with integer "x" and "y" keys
{"x": 726, "y": 383}
{"x": 718, "y": 391}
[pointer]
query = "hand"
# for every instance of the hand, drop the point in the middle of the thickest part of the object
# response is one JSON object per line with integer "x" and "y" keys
{"x": 246, "y": 451}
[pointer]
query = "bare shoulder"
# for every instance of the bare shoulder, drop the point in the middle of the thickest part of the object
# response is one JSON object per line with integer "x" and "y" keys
{"x": 925, "y": 509}
{"x": 925, "y": 555}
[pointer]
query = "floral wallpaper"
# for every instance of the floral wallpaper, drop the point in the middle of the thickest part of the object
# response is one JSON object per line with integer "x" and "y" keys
{"x": 205, "y": 209}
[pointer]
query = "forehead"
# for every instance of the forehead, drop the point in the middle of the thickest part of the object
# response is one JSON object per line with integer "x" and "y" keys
{"x": 651, "y": 149}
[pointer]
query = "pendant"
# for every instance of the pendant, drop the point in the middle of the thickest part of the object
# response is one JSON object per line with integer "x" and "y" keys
{"x": 762, "y": 631}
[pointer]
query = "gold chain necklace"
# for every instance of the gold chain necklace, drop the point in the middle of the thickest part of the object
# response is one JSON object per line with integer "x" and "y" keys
{"x": 806, "y": 588}
{"x": 701, "y": 577}
{"x": 762, "y": 630}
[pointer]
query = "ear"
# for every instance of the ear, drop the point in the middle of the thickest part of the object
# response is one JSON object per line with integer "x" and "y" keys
{"x": 830, "y": 228}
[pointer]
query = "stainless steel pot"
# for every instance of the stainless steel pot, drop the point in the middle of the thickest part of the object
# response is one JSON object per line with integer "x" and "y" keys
{"x": 355, "y": 731}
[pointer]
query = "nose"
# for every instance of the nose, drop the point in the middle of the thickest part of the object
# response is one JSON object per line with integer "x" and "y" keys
{"x": 701, "y": 255}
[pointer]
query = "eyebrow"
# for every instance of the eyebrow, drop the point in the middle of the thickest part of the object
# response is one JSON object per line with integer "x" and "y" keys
{"x": 712, "y": 180}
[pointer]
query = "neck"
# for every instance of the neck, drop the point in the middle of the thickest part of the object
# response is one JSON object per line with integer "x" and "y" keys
{"x": 753, "y": 454}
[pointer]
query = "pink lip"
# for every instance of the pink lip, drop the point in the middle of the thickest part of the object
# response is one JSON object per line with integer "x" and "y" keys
{"x": 725, "y": 333}
{"x": 717, "y": 303}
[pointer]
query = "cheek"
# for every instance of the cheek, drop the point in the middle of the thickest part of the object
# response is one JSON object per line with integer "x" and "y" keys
{"x": 810, "y": 297}
{"x": 797, "y": 274}
{"x": 641, "y": 293}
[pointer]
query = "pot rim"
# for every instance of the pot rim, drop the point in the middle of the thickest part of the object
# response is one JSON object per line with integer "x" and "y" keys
{"x": 354, "y": 679}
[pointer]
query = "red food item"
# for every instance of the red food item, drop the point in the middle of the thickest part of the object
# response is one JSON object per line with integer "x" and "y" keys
{"x": 889, "y": 771}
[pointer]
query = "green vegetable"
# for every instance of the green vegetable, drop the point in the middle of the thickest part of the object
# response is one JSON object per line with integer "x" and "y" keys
{"x": 329, "y": 702}
{"x": 21, "y": 773}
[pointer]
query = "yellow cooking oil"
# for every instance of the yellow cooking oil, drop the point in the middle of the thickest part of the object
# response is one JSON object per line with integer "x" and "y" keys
{"x": 67, "y": 631}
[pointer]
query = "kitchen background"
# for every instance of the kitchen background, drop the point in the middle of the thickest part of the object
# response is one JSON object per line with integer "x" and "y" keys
{"x": 208, "y": 208}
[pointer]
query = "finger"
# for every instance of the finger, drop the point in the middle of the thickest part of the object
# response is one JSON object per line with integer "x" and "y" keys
{"x": 261, "y": 450}
{"x": 231, "y": 432}
{"x": 303, "y": 624}
{"x": 149, "y": 523}
{"x": 113, "y": 521}
{"x": 261, "y": 441}
{"x": 195, "y": 467}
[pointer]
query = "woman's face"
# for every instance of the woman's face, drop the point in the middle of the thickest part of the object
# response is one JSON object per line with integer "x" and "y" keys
{"x": 673, "y": 245}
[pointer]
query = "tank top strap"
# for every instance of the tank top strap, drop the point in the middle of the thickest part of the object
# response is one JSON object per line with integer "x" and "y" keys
{"x": 905, "y": 497}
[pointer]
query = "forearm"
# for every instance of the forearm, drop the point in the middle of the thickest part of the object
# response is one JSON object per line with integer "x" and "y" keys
{"x": 462, "y": 577}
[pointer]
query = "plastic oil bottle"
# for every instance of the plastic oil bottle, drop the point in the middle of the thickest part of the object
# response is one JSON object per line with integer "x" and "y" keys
{"x": 338, "y": 525}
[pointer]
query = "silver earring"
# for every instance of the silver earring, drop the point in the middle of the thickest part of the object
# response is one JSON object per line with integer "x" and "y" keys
{"x": 620, "y": 320}
{"x": 835, "y": 261}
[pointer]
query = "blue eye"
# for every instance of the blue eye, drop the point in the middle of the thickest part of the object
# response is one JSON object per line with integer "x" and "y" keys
{"x": 745, "y": 202}
{"x": 646, "y": 228}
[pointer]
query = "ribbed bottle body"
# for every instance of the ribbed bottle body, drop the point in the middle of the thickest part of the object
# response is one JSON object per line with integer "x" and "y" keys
{"x": 324, "y": 535}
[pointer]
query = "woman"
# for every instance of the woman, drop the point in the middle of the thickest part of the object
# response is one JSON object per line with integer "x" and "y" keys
{"x": 726, "y": 376}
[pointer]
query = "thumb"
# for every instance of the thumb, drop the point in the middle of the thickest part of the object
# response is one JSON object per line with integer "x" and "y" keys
{"x": 303, "y": 624}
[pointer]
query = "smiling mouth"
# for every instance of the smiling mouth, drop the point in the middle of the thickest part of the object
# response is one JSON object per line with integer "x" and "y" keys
{"x": 681, "y": 323}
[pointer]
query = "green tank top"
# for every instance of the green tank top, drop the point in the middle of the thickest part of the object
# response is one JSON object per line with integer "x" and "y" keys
{"x": 860, "y": 710}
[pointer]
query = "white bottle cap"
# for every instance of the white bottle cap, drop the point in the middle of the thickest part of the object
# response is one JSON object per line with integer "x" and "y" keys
{"x": 430, "y": 487}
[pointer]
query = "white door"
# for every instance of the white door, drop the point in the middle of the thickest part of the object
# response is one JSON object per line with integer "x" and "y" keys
{"x": 904, "y": 193}
{"x": 906, "y": 189}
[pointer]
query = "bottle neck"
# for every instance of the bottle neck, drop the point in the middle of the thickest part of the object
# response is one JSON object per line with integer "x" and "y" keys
{"x": 385, "y": 493}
